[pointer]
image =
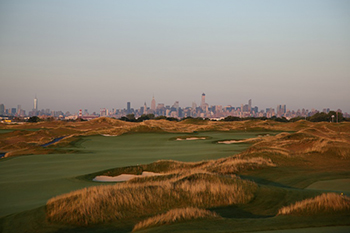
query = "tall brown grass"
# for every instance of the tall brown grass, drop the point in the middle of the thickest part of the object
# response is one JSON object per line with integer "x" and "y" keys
{"x": 175, "y": 215}
{"x": 325, "y": 203}
{"x": 236, "y": 164}
{"x": 116, "y": 202}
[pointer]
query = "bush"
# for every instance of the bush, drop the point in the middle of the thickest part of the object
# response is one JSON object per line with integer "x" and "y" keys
{"x": 34, "y": 119}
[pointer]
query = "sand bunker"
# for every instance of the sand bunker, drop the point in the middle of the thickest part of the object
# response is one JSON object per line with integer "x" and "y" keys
{"x": 194, "y": 138}
{"x": 123, "y": 177}
{"x": 237, "y": 141}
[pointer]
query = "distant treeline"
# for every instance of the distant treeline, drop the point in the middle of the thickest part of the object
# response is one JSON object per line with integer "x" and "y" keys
{"x": 332, "y": 116}
{"x": 144, "y": 117}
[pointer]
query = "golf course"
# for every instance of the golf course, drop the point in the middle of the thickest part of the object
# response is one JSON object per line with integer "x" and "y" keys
{"x": 106, "y": 175}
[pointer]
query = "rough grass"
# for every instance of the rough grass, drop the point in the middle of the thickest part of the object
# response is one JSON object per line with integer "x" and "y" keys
{"x": 326, "y": 203}
{"x": 321, "y": 138}
{"x": 171, "y": 168}
{"x": 233, "y": 165}
{"x": 122, "y": 201}
{"x": 16, "y": 142}
{"x": 175, "y": 215}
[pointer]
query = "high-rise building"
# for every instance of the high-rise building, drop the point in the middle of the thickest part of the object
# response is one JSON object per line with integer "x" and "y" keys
{"x": 203, "y": 101}
{"x": 153, "y": 104}
{"x": 19, "y": 110}
{"x": 35, "y": 106}
{"x": 176, "y": 105}
{"x": 128, "y": 109}
{"x": 250, "y": 105}
{"x": 2, "y": 109}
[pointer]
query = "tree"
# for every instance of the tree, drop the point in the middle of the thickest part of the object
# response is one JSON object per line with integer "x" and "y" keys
{"x": 231, "y": 118}
{"x": 34, "y": 119}
{"x": 333, "y": 113}
{"x": 131, "y": 117}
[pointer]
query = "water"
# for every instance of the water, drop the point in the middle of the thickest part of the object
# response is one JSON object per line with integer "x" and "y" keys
{"x": 53, "y": 141}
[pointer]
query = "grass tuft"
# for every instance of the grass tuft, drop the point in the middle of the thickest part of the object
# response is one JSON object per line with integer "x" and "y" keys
{"x": 325, "y": 203}
{"x": 175, "y": 215}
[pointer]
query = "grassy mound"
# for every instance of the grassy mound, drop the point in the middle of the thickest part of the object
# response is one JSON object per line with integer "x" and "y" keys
{"x": 237, "y": 164}
{"x": 320, "y": 139}
{"x": 326, "y": 203}
{"x": 124, "y": 201}
{"x": 161, "y": 166}
{"x": 171, "y": 168}
{"x": 175, "y": 215}
{"x": 195, "y": 121}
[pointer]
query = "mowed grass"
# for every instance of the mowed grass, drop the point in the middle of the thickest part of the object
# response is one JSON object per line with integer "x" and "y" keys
{"x": 28, "y": 182}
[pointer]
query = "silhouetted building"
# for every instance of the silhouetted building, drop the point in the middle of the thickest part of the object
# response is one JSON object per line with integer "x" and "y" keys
{"x": 2, "y": 109}
{"x": 128, "y": 107}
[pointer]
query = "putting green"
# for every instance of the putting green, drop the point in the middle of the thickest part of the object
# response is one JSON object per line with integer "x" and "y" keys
{"x": 27, "y": 182}
{"x": 339, "y": 185}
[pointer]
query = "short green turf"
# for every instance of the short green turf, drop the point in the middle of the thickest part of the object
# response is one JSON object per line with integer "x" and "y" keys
{"x": 27, "y": 182}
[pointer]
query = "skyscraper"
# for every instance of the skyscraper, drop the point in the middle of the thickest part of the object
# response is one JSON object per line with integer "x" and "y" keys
{"x": 250, "y": 105}
{"x": 203, "y": 101}
{"x": 128, "y": 109}
{"x": 35, "y": 106}
{"x": 153, "y": 104}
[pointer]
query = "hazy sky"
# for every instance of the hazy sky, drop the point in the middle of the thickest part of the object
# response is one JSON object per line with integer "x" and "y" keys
{"x": 101, "y": 54}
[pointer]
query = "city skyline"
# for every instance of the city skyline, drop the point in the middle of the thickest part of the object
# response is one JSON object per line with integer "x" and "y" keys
{"x": 90, "y": 55}
{"x": 203, "y": 109}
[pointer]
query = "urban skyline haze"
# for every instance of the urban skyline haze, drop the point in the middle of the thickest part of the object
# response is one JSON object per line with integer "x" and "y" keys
{"x": 89, "y": 55}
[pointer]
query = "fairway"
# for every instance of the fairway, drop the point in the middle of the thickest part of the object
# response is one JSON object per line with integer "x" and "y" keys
{"x": 28, "y": 182}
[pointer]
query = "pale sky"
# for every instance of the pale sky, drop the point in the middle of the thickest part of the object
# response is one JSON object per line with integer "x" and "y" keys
{"x": 81, "y": 54}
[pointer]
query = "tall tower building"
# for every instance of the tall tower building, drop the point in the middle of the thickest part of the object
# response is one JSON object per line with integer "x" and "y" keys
{"x": 250, "y": 105}
{"x": 128, "y": 107}
{"x": 35, "y": 106}
{"x": 153, "y": 104}
{"x": 203, "y": 100}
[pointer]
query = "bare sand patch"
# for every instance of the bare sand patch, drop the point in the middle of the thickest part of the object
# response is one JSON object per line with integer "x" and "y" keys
{"x": 193, "y": 138}
{"x": 123, "y": 177}
{"x": 237, "y": 141}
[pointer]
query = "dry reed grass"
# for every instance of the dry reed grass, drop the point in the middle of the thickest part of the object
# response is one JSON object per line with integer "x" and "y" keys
{"x": 175, "y": 215}
{"x": 127, "y": 200}
{"x": 316, "y": 139}
{"x": 236, "y": 164}
{"x": 325, "y": 203}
